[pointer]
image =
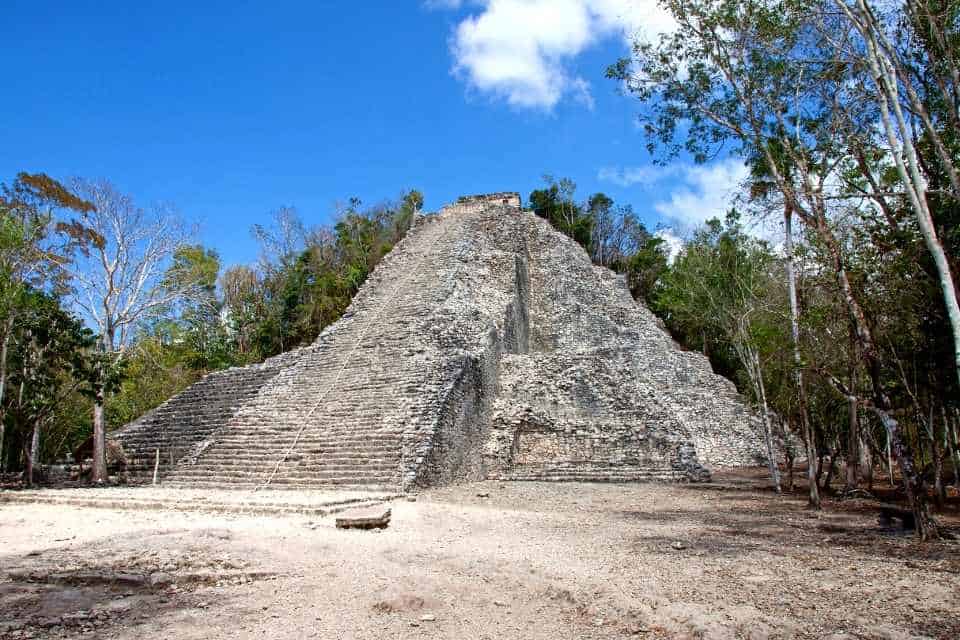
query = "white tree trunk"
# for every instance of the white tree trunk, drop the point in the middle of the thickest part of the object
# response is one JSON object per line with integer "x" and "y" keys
{"x": 751, "y": 361}
{"x": 810, "y": 445}
{"x": 3, "y": 384}
{"x": 99, "y": 471}
{"x": 34, "y": 452}
{"x": 768, "y": 430}
{"x": 899, "y": 137}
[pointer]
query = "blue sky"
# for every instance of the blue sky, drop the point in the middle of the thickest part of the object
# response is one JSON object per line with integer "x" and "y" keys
{"x": 230, "y": 110}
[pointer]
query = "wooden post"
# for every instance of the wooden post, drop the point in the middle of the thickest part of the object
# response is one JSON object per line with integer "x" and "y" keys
{"x": 156, "y": 466}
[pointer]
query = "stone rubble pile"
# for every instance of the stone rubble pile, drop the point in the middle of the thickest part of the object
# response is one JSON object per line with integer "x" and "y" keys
{"x": 485, "y": 345}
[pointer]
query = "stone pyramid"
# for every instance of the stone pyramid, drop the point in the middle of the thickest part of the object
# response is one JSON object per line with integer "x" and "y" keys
{"x": 485, "y": 345}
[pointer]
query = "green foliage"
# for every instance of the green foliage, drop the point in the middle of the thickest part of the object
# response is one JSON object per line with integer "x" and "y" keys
{"x": 556, "y": 204}
{"x": 195, "y": 330}
{"x": 153, "y": 371}
{"x": 49, "y": 360}
{"x": 309, "y": 286}
{"x": 645, "y": 268}
{"x": 45, "y": 353}
{"x": 51, "y": 371}
{"x": 612, "y": 235}
{"x": 720, "y": 295}
{"x": 787, "y": 86}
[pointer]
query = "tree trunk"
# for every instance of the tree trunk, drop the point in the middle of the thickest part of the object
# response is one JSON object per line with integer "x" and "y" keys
{"x": 831, "y": 470}
{"x": 813, "y": 499}
{"x": 866, "y": 464}
{"x": 757, "y": 379}
{"x": 899, "y": 135}
{"x": 889, "y": 460}
{"x": 939, "y": 488}
{"x": 3, "y": 385}
{"x": 939, "y": 450}
{"x": 34, "y": 453}
{"x": 912, "y": 481}
{"x": 789, "y": 457}
{"x": 952, "y": 429}
{"x": 818, "y": 476}
{"x": 99, "y": 470}
{"x": 853, "y": 446}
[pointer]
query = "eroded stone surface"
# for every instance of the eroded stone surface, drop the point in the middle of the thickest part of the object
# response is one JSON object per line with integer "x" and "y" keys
{"x": 485, "y": 345}
{"x": 369, "y": 518}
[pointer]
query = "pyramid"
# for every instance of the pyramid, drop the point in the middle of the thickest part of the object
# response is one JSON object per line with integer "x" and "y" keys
{"x": 485, "y": 345}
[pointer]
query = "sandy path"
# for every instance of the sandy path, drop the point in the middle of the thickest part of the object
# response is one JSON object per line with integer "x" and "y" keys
{"x": 530, "y": 561}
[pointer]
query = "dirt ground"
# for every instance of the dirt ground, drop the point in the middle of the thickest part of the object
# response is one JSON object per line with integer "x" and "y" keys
{"x": 532, "y": 560}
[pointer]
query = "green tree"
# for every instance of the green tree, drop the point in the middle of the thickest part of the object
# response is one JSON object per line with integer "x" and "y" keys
{"x": 34, "y": 249}
{"x": 783, "y": 85}
{"x": 645, "y": 268}
{"x": 50, "y": 361}
{"x": 118, "y": 284}
{"x": 202, "y": 333}
{"x": 721, "y": 283}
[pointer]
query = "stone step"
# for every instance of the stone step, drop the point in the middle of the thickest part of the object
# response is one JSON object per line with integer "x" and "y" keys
{"x": 306, "y": 442}
{"x": 284, "y": 483}
{"x": 347, "y": 484}
{"x": 369, "y": 467}
{"x": 587, "y": 476}
{"x": 361, "y": 475}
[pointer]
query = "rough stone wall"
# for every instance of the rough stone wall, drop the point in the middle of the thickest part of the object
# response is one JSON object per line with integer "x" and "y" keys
{"x": 484, "y": 316}
{"x": 484, "y": 345}
{"x": 604, "y": 392}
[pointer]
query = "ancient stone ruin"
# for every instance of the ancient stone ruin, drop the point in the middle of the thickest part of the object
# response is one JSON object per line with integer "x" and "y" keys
{"x": 485, "y": 345}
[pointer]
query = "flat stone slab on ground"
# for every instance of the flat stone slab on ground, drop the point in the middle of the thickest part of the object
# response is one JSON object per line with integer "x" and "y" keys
{"x": 370, "y": 518}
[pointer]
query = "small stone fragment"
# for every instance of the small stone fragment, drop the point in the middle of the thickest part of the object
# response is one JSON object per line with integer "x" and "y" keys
{"x": 160, "y": 578}
{"x": 364, "y": 519}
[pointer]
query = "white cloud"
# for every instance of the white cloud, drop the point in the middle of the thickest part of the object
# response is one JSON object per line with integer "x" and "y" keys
{"x": 706, "y": 192}
{"x": 443, "y": 4}
{"x": 520, "y": 50}
{"x": 672, "y": 243}
{"x": 581, "y": 93}
{"x": 630, "y": 176}
{"x": 695, "y": 193}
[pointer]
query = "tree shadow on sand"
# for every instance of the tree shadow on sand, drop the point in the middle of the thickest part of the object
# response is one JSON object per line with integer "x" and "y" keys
{"x": 107, "y": 584}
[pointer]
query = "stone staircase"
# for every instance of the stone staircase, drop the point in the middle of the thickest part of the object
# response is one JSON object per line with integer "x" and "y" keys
{"x": 178, "y": 426}
{"x": 332, "y": 417}
{"x": 381, "y": 401}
